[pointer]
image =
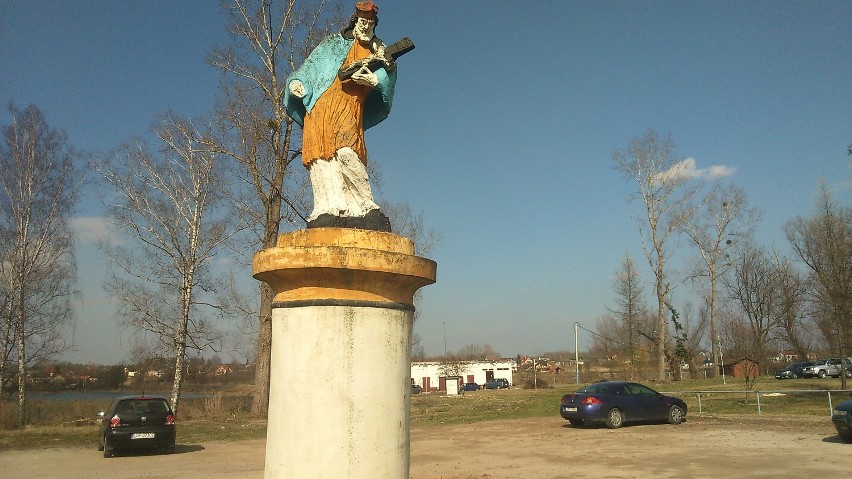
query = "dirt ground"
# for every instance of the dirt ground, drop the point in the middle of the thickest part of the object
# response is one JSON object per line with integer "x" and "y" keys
{"x": 539, "y": 448}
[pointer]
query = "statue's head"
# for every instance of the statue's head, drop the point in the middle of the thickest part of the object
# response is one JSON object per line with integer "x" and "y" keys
{"x": 363, "y": 22}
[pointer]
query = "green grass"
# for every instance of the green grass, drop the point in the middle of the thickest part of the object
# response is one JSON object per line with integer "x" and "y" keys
{"x": 484, "y": 405}
{"x": 226, "y": 418}
{"x": 189, "y": 432}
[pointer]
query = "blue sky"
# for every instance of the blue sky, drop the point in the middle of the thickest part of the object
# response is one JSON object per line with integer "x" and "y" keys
{"x": 505, "y": 119}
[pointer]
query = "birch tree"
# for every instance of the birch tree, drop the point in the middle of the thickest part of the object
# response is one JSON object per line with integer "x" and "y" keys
{"x": 38, "y": 192}
{"x": 170, "y": 206}
{"x": 270, "y": 39}
{"x": 662, "y": 181}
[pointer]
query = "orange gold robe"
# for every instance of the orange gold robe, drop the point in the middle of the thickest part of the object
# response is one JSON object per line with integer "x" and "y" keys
{"x": 337, "y": 119}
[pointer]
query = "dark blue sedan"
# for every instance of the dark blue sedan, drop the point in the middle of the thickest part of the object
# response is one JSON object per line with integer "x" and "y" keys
{"x": 841, "y": 416}
{"x": 616, "y": 402}
{"x": 470, "y": 387}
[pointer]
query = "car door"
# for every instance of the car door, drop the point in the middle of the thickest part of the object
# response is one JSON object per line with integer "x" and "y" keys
{"x": 650, "y": 405}
{"x": 629, "y": 403}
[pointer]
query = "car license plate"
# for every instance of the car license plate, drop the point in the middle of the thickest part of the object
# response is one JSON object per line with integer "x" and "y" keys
{"x": 570, "y": 409}
{"x": 142, "y": 435}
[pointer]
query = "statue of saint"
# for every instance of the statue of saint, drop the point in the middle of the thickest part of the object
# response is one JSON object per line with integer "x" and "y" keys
{"x": 344, "y": 87}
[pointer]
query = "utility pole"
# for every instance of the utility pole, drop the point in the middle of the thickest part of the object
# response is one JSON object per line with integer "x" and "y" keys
{"x": 721, "y": 360}
{"x": 577, "y": 352}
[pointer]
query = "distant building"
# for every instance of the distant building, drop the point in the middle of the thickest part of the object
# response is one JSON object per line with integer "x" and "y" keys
{"x": 786, "y": 357}
{"x": 432, "y": 375}
{"x": 742, "y": 368}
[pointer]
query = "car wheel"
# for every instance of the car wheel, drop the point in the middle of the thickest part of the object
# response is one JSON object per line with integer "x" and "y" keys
{"x": 107, "y": 450}
{"x": 614, "y": 419}
{"x": 576, "y": 422}
{"x": 100, "y": 443}
{"x": 795, "y": 376}
{"x": 846, "y": 436}
{"x": 821, "y": 374}
{"x": 675, "y": 415}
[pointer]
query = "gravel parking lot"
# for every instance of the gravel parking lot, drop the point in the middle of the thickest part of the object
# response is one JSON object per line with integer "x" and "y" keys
{"x": 703, "y": 447}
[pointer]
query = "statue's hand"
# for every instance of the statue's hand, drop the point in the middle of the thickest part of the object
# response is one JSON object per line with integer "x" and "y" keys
{"x": 297, "y": 89}
{"x": 365, "y": 77}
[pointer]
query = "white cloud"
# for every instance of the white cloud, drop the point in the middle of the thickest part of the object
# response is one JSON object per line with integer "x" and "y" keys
{"x": 91, "y": 229}
{"x": 688, "y": 169}
{"x": 720, "y": 171}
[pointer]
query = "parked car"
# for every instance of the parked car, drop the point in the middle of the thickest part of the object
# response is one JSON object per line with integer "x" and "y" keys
{"x": 416, "y": 389}
{"x": 793, "y": 371}
{"x": 133, "y": 422}
{"x": 826, "y": 367}
{"x": 617, "y": 402}
{"x": 841, "y": 416}
{"x": 470, "y": 387}
{"x": 498, "y": 383}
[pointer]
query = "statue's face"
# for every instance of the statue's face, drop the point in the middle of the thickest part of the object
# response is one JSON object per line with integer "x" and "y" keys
{"x": 363, "y": 30}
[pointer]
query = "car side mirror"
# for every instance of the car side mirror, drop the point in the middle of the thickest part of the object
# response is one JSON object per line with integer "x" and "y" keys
{"x": 101, "y": 414}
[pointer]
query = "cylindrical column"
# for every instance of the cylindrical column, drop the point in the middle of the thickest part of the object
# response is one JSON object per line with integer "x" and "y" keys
{"x": 341, "y": 344}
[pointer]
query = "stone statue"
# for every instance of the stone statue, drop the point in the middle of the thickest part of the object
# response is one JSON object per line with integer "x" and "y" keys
{"x": 344, "y": 87}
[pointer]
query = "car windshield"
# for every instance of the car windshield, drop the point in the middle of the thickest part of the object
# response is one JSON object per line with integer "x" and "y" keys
{"x": 141, "y": 406}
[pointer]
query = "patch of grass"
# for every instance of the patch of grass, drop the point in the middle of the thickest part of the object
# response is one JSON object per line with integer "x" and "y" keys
{"x": 49, "y": 436}
{"x": 483, "y": 405}
{"x": 189, "y": 432}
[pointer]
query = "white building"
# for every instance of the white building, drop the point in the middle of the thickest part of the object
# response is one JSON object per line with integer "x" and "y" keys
{"x": 432, "y": 375}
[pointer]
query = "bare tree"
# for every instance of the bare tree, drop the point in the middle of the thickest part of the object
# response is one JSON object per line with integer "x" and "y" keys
{"x": 752, "y": 288}
{"x": 38, "y": 192}
{"x": 608, "y": 344}
{"x": 824, "y": 243}
{"x": 630, "y": 308}
{"x": 695, "y": 331}
{"x": 476, "y": 352}
{"x": 406, "y": 223}
{"x": 723, "y": 215}
{"x": 662, "y": 181}
{"x": 269, "y": 40}
{"x": 169, "y": 206}
{"x": 418, "y": 353}
{"x": 790, "y": 313}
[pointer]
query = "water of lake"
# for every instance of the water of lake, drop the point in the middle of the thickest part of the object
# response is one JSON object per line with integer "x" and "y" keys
{"x": 96, "y": 395}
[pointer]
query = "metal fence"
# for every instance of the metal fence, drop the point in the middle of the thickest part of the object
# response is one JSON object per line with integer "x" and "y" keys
{"x": 768, "y": 393}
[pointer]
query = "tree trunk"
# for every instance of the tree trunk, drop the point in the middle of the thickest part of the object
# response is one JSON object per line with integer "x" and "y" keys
{"x": 180, "y": 359}
{"x": 180, "y": 340}
{"x": 260, "y": 399}
{"x": 714, "y": 334}
{"x": 661, "y": 330}
{"x": 22, "y": 371}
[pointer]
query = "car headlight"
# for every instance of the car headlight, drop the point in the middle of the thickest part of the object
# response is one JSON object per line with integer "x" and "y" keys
{"x": 838, "y": 412}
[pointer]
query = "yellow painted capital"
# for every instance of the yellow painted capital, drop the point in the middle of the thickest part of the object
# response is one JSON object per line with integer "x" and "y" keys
{"x": 343, "y": 264}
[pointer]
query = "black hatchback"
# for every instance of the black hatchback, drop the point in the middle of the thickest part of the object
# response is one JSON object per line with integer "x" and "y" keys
{"x": 793, "y": 371}
{"x": 136, "y": 422}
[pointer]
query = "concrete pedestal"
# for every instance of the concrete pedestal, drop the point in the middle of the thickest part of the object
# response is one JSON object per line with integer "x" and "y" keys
{"x": 341, "y": 343}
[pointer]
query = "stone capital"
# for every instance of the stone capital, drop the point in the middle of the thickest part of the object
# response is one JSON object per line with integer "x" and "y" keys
{"x": 346, "y": 264}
